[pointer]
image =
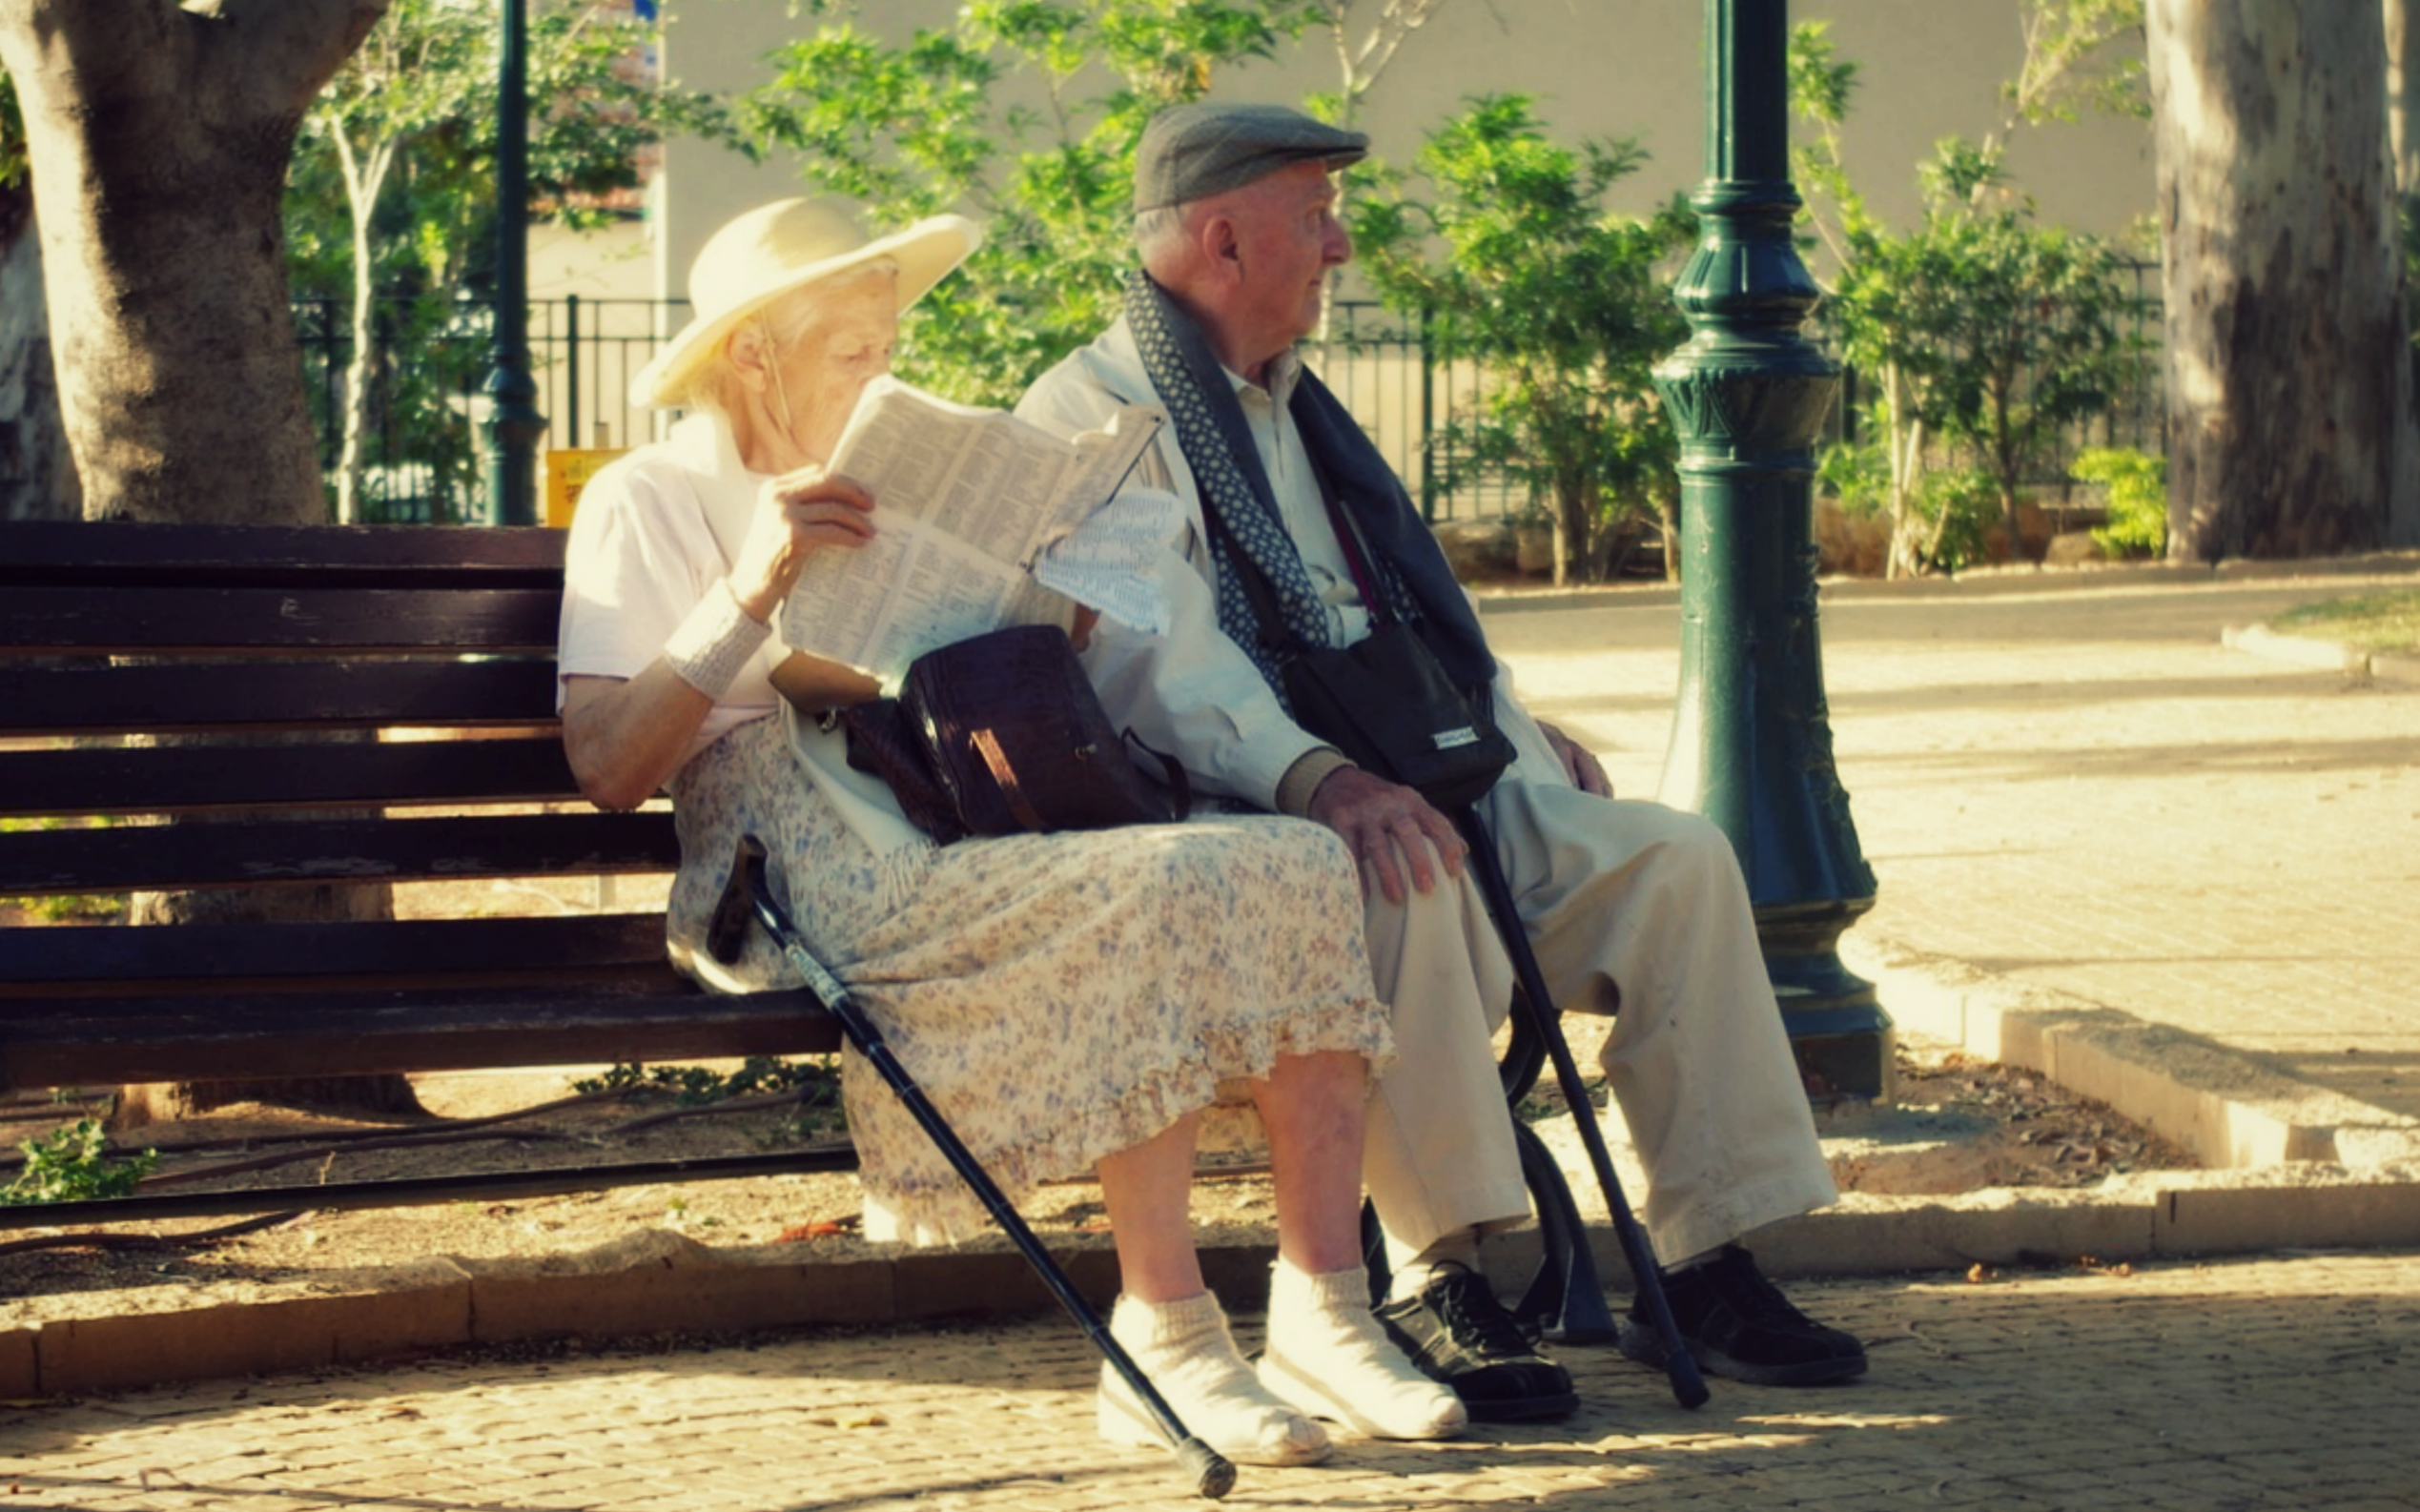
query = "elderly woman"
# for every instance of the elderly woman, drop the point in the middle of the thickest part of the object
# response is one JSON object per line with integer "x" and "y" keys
{"x": 1071, "y": 1002}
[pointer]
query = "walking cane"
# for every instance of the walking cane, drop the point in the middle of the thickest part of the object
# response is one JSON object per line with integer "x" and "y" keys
{"x": 1213, "y": 1477}
{"x": 1688, "y": 1384}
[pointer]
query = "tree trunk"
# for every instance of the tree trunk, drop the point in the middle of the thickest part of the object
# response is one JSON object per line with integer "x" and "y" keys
{"x": 1668, "y": 520}
{"x": 166, "y": 1102}
{"x": 1904, "y": 440}
{"x": 2290, "y": 423}
{"x": 159, "y": 136}
{"x": 37, "y": 474}
{"x": 1574, "y": 505}
{"x": 2403, "y": 97}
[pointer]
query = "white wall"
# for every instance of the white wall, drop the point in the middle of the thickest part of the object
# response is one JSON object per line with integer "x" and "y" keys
{"x": 1601, "y": 68}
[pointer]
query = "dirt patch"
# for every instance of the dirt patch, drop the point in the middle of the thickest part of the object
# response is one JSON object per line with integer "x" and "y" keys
{"x": 1959, "y": 1125}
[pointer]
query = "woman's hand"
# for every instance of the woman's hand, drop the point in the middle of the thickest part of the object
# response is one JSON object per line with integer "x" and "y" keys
{"x": 797, "y": 515}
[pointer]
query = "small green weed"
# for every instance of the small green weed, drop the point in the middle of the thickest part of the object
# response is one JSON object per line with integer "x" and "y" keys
{"x": 64, "y": 908}
{"x": 74, "y": 1165}
{"x": 2376, "y": 622}
{"x": 816, "y": 1080}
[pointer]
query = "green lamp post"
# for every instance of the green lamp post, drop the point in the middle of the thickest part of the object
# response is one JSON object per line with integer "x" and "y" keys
{"x": 1752, "y": 741}
{"x": 513, "y": 421}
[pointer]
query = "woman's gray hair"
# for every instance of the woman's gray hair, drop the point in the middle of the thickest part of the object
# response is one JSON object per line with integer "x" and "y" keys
{"x": 782, "y": 321}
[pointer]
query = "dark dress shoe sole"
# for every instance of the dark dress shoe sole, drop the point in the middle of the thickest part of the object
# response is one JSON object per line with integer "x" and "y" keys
{"x": 1642, "y": 1345}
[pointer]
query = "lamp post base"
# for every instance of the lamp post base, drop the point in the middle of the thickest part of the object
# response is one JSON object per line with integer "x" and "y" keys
{"x": 1844, "y": 1043}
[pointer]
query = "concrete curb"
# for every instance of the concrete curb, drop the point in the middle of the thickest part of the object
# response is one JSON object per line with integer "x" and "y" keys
{"x": 664, "y": 1284}
{"x": 2393, "y": 666}
{"x": 1983, "y": 581}
{"x": 2236, "y": 1114}
{"x": 2294, "y": 1167}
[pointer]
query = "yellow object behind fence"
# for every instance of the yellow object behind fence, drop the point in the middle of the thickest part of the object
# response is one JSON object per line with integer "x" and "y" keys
{"x": 568, "y": 470}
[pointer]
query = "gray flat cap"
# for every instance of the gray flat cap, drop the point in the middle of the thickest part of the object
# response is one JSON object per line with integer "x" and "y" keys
{"x": 1193, "y": 152}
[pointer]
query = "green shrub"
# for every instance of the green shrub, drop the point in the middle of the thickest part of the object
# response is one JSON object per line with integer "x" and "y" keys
{"x": 2138, "y": 491}
{"x": 1858, "y": 474}
{"x": 1970, "y": 497}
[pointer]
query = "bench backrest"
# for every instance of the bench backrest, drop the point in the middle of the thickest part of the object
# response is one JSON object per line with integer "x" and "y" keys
{"x": 311, "y": 705}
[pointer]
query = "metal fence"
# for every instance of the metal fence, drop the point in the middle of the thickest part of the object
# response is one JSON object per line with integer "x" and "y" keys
{"x": 425, "y": 456}
{"x": 424, "y": 450}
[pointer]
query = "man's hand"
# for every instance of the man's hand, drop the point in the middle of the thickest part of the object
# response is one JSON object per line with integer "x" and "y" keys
{"x": 797, "y": 515}
{"x": 1391, "y": 831}
{"x": 1579, "y": 764}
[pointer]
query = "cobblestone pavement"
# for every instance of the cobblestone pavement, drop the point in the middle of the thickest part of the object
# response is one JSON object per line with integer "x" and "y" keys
{"x": 2078, "y": 788}
{"x": 2275, "y": 1383}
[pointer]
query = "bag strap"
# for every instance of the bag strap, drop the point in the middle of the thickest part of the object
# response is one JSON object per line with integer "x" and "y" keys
{"x": 1348, "y": 539}
{"x": 1172, "y": 773}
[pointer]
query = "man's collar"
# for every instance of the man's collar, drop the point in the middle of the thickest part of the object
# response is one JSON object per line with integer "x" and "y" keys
{"x": 1285, "y": 371}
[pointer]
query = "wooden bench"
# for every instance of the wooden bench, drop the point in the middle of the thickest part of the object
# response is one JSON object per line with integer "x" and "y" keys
{"x": 407, "y": 675}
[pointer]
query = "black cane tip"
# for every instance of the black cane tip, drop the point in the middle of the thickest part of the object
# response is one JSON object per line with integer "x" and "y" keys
{"x": 1688, "y": 1384}
{"x": 1213, "y": 1477}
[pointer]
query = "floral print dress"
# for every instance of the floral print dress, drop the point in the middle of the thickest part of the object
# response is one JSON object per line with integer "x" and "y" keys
{"x": 1058, "y": 997}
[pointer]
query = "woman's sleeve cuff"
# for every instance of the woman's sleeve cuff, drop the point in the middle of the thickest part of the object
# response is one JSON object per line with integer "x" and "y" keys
{"x": 713, "y": 645}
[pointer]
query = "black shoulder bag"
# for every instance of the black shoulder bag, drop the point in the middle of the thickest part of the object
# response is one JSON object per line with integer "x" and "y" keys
{"x": 1002, "y": 734}
{"x": 1384, "y": 700}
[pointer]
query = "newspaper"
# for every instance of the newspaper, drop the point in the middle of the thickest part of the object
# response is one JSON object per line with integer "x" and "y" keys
{"x": 981, "y": 520}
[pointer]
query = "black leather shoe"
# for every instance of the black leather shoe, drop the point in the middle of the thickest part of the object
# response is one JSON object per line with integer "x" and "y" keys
{"x": 1740, "y": 1326}
{"x": 1457, "y": 1331}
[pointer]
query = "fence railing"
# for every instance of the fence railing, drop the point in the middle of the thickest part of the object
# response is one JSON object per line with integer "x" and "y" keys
{"x": 424, "y": 451}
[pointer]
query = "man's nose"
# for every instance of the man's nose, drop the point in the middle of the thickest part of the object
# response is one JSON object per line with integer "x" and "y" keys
{"x": 1340, "y": 244}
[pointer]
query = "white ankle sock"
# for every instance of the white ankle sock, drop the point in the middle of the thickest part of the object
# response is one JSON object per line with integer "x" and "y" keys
{"x": 1186, "y": 1351}
{"x": 1415, "y": 1272}
{"x": 1328, "y": 1355}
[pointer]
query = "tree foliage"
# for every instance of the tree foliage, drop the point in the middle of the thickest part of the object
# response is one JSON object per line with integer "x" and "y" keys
{"x": 11, "y": 134}
{"x": 392, "y": 197}
{"x": 1984, "y": 330}
{"x": 1514, "y": 258}
{"x": 1993, "y": 332}
{"x": 1025, "y": 114}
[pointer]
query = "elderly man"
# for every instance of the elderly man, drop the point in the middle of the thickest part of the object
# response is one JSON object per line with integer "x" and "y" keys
{"x": 1625, "y": 903}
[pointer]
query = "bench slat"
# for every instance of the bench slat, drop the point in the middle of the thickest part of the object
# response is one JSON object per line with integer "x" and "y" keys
{"x": 71, "y": 1042}
{"x": 215, "y": 622}
{"x": 100, "y": 700}
{"x": 185, "y": 952}
{"x": 116, "y": 554}
{"x": 190, "y": 779}
{"x": 146, "y": 858}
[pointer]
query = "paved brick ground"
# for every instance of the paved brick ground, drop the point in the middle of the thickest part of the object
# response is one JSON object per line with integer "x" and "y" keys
{"x": 2080, "y": 788}
{"x": 2278, "y": 1382}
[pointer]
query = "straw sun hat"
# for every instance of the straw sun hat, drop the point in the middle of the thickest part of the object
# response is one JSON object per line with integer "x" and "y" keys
{"x": 774, "y": 249}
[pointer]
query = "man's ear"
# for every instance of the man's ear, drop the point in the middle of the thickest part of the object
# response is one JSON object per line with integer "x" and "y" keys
{"x": 1222, "y": 249}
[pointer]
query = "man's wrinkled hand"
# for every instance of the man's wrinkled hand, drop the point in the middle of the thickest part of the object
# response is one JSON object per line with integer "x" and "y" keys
{"x": 1395, "y": 834}
{"x": 1579, "y": 763}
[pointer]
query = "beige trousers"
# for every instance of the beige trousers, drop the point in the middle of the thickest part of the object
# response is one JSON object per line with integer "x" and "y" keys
{"x": 1622, "y": 896}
